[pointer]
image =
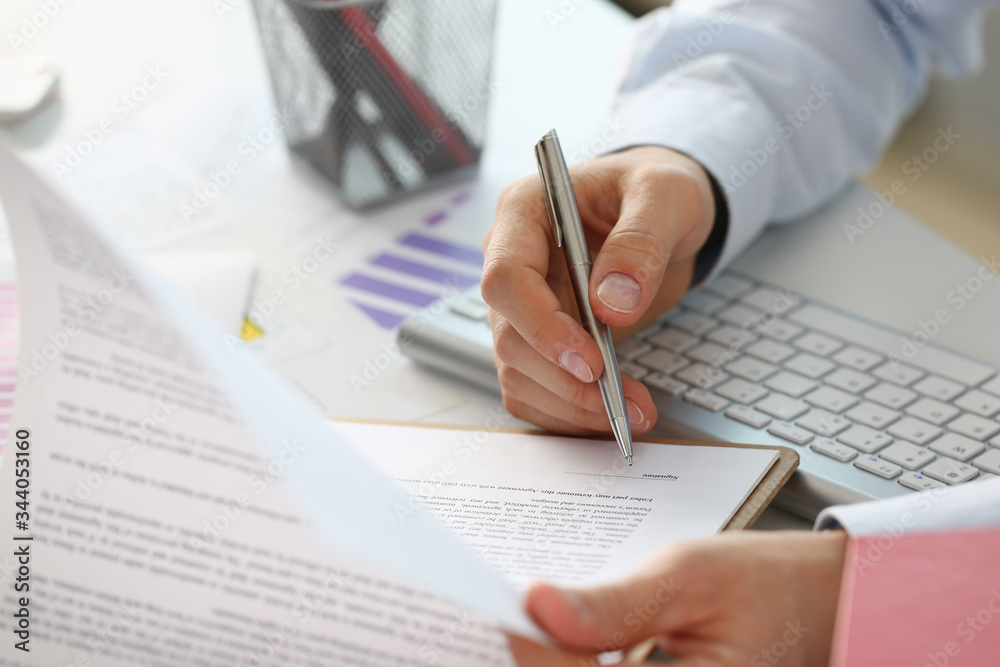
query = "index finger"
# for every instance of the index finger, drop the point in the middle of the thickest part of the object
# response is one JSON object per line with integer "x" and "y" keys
{"x": 519, "y": 259}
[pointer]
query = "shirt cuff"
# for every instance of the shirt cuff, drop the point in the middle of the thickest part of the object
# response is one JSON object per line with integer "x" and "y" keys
{"x": 970, "y": 506}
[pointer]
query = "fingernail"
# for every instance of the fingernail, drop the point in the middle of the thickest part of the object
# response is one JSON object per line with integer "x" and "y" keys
{"x": 574, "y": 363}
{"x": 584, "y": 612}
{"x": 619, "y": 292}
{"x": 635, "y": 415}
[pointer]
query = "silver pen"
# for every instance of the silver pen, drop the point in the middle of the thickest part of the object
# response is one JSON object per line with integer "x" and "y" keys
{"x": 565, "y": 218}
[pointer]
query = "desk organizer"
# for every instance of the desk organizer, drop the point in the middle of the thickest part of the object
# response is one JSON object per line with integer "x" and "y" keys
{"x": 382, "y": 97}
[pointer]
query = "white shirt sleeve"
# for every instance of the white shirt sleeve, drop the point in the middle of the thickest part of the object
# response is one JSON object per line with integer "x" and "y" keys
{"x": 969, "y": 506}
{"x": 785, "y": 101}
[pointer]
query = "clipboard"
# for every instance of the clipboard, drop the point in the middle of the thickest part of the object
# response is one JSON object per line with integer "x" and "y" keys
{"x": 745, "y": 516}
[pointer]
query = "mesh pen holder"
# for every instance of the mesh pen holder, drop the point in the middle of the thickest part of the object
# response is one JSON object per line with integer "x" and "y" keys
{"x": 383, "y": 97}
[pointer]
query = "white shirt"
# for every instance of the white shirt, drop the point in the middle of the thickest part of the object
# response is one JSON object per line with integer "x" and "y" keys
{"x": 784, "y": 102}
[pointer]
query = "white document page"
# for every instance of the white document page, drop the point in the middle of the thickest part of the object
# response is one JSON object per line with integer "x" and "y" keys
{"x": 160, "y": 458}
{"x": 569, "y": 510}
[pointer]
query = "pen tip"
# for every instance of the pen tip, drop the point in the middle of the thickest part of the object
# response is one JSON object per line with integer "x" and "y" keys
{"x": 629, "y": 459}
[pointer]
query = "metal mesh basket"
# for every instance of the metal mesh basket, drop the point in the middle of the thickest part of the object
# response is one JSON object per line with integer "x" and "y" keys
{"x": 383, "y": 97}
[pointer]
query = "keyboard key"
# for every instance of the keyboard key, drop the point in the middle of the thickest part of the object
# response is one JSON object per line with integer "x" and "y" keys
{"x": 771, "y": 299}
{"x": 702, "y": 376}
{"x": 989, "y": 461}
{"x": 674, "y": 340}
{"x": 891, "y": 396}
{"x": 784, "y": 430}
{"x": 817, "y": 343}
{"x": 918, "y": 482}
{"x": 991, "y": 387}
{"x": 850, "y": 380}
{"x": 914, "y": 430}
{"x": 933, "y": 411}
{"x": 748, "y": 416}
{"x": 809, "y": 365}
{"x": 741, "y": 391}
{"x": 907, "y": 455}
{"x": 831, "y": 399}
{"x": 651, "y": 330}
{"x": 957, "y": 446}
{"x": 939, "y": 388}
{"x": 664, "y": 382}
{"x": 632, "y": 348}
{"x": 974, "y": 427}
{"x": 823, "y": 423}
{"x": 633, "y": 370}
{"x": 780, "y": 330}
{"x": 711, "y": 354}
{"x": 730, "y": 336}
{"x": 751, "y": 369}
{"x": 694, "y": 323}
{"x": 663, "y": 361}
{"x": 865, "y": 439}
{"x": 877, "y": 466}
{"x": 871, "y": 414}
{"x": 834, "y": 450}
{"x": 782, "y": 407}
{"x": 790, "y": 384}
{"x": 852, "y": 330}
{"x": 471, "y": 306}
{"x": 729, "y": 286}
{"x": 703, "y": 302}
{"x": 771, "y": 351}
{"x": 976, "y": 401}
{"x": 858, "y": 358}
{"x": 740, "y": 316}
{"x": 898, "y": 374}
{"x": 703, "y": 399}
{"x": 950, "y": 471}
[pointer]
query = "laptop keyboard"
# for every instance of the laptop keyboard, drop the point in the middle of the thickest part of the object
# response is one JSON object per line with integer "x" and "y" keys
{"x": 811, "y": 376}
{"x": 814, "y": 377}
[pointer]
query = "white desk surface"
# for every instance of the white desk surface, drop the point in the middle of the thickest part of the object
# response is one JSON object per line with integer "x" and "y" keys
{"x": 897, "y": 274}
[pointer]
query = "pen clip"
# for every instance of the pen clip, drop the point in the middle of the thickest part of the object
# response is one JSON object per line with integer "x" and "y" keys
{"x": 550, "y": 196}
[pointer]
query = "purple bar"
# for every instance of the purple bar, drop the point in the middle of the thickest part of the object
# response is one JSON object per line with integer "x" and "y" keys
{"x": 443, "y": 248}
{"x": 426, "y": 271}
{"x": 383, "y": 318}
{"x": 436, "y": 218}
{"x": 461, "y": 198}
{"x": 388, "y": 290}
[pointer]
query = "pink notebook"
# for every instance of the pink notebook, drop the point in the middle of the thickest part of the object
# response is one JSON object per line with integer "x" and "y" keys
{"x": 930, "y": 600}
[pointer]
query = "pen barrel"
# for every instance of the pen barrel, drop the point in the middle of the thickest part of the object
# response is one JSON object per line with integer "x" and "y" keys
{"x": 610, "y": 383}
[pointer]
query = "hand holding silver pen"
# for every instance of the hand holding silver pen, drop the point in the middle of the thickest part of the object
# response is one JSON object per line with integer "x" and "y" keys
{"x": 565, "y": 217}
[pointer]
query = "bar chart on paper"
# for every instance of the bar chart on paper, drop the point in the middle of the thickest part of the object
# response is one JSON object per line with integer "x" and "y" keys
{"x": 414, "y": 270}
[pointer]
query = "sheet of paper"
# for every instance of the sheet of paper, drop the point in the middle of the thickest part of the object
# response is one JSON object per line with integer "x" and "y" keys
{"x": 161, "y": 456}
{"x": 569, "y": 510}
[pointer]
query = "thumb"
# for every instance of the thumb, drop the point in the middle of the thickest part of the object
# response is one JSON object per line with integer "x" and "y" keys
{"x": 662, "y": 217}
{"x": 607, "y": 618}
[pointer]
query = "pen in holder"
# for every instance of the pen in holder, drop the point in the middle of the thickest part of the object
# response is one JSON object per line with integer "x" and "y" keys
{"x": 383, "y": 97}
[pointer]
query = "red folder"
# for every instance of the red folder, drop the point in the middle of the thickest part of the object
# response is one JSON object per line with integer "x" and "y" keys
{"x": 928, "y": 600}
